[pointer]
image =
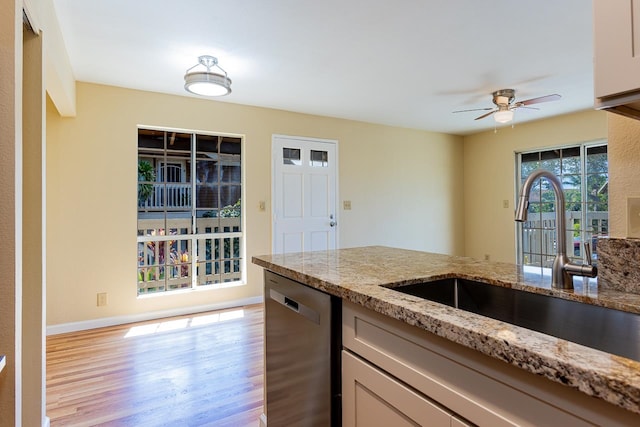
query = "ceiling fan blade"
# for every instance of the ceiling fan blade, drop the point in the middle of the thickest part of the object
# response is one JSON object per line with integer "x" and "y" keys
{"x": 538, "y": 100}
{"x": 474, "y": 109}
{"x": 523, "y": 106}
{"x": 485, "y": 115}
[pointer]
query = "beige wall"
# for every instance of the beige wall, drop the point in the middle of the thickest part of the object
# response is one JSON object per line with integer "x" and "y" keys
{"x": 624, "y": 170}
{"x": 489, "y": 176}
{"x": 21, "y": 215}
{"x": 405, "y": 187}
{"x": 10, "y": 211}
{"x": 408, "y": 188}
{"x": 33, "y": 270}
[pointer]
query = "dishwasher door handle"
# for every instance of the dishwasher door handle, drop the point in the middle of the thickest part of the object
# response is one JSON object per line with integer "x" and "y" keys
{"x": 294, "y": 305}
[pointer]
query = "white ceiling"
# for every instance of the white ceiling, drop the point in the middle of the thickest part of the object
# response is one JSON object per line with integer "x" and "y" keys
{"x": 406, "y": 63}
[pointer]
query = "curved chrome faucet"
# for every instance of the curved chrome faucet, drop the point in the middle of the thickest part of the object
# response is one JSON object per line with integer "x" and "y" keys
{"x": 562, "y": 269}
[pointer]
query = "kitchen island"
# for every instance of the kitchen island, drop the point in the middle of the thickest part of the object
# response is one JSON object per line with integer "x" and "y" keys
{"x": 364, "y": 277}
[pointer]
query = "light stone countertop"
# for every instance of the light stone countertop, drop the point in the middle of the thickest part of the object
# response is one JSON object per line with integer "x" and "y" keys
{"x": 362, "y": 275}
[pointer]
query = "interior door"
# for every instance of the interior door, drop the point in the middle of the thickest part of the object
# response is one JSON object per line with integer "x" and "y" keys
{"x": 304, "y": 194}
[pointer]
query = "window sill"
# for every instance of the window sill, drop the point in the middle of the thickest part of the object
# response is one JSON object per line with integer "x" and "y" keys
{"x": 201, "y": 288}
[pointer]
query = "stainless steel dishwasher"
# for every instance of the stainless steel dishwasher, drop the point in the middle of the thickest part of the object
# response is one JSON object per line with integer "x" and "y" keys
{"x": 302, "y": 354}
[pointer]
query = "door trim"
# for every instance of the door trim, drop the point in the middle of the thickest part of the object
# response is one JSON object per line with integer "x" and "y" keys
{"x": 273, "y": 180}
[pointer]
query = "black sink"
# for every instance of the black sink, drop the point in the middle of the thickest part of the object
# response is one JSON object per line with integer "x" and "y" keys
{"x": 606, "y": 329}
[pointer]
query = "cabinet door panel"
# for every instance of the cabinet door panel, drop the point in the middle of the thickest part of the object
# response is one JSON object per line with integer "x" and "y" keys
{"x": 372, "y": 410}
{"x": 616, "y": 46}
{"x": 482, "y": 390}
{"x": 371, "y": 398}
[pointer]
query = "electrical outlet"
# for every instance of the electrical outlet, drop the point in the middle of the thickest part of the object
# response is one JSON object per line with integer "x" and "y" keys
{"x": 487, "y": 257}
{"x": 633, "y": 217}
{"x": 505, "y": 204}
{"x": 102, "y": 299}
{"x": 346, "y": 205}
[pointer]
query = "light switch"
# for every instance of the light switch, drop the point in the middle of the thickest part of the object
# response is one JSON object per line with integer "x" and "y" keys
{"x": 102, "y": 299}
{"x": 346, "y": 205}
{"x": 505, "y": 203}
{"x": 633, "y": 217}
{"x": 262, "y": 206}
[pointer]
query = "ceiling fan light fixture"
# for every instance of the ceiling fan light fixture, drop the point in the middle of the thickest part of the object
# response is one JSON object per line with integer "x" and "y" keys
{"x": 504, "y": 100}
{"x": 207, "y": 83}
{"x": 503, "y": 116}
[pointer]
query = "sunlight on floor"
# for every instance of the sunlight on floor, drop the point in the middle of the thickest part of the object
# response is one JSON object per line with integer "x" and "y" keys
{"x": 172, "y": 325}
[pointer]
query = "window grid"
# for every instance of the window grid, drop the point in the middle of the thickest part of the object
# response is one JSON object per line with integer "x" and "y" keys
{"x": 583, "y": 171}
{"x": 189, "y": 211}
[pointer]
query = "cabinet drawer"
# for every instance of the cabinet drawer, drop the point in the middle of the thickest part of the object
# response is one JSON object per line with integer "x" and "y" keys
{"x": 480, "y": 389}
{"x": 372, "y": 398}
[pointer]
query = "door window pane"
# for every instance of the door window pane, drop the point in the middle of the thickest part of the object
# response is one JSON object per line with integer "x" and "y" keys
{"x": 319, "y": 159}
{"x": 291, "y": 156}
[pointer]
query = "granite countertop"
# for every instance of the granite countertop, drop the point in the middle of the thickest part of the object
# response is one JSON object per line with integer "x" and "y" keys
{"x": 363, "y": 275}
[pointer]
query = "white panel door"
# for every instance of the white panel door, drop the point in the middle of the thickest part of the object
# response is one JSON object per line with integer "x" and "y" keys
{"x": 304, "y": 194}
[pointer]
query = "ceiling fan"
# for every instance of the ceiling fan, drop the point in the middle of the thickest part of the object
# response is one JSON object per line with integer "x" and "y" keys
{"x": 504, "y": 99}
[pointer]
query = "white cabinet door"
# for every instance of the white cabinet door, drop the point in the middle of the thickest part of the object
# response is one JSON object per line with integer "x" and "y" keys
{"x": 304, "y": 194}
{"x": 616, "y": 46}
{"x": 371, "y": 398}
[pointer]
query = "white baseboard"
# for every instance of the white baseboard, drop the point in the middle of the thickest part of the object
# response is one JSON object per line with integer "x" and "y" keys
{"x": 121, "y": 320}
{"x": 263, "y": 420}
{"x": 46, "y": 422}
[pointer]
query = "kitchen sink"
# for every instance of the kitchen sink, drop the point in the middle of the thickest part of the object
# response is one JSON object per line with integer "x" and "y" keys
{"x": 606, "y": 329}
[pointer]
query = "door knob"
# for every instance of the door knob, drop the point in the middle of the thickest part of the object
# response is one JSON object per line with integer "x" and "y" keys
{"x": 332, "y": 223}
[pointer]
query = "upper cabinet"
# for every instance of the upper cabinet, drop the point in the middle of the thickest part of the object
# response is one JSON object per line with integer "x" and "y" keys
{"x": 617, "y": 56}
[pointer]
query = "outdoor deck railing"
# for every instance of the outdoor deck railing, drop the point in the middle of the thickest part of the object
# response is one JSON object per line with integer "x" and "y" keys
{"x": 167, "y": 259}
{"x": 539, "y": 234}
{"x": 168, "y": 195}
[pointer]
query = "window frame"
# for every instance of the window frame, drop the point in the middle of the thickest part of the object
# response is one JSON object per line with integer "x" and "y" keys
{"x": 194, "y": 237}
{"x": 583, "y": 146}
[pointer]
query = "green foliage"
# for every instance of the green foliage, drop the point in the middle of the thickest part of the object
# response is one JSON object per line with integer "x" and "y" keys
{"x": 146, "y": 175}
{"x": 231, "y": 211}
{"x": 576, "y": 229}
{"x": 597, "y": 197}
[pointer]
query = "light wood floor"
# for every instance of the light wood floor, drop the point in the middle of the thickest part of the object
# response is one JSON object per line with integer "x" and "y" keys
{"x": 199, "y": 370}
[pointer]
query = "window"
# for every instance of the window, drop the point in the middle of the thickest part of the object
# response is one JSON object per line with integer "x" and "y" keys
{"x": 319, "y": 159}
{"x": 189, "y": 211}
{"x": 291, "y": 156}
{"x": 583, "y": 171}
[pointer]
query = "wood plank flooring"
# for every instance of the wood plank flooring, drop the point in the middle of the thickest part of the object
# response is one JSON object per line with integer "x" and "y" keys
{"x": 199, "y": 370}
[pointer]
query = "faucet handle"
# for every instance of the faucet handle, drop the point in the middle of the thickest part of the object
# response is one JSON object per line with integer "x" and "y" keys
{"x": 587, "y": 252}
{"x": 586, "y": 270}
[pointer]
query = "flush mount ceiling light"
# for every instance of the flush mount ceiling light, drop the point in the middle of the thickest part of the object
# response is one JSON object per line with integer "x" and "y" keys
{"x": 207, "y": 83}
